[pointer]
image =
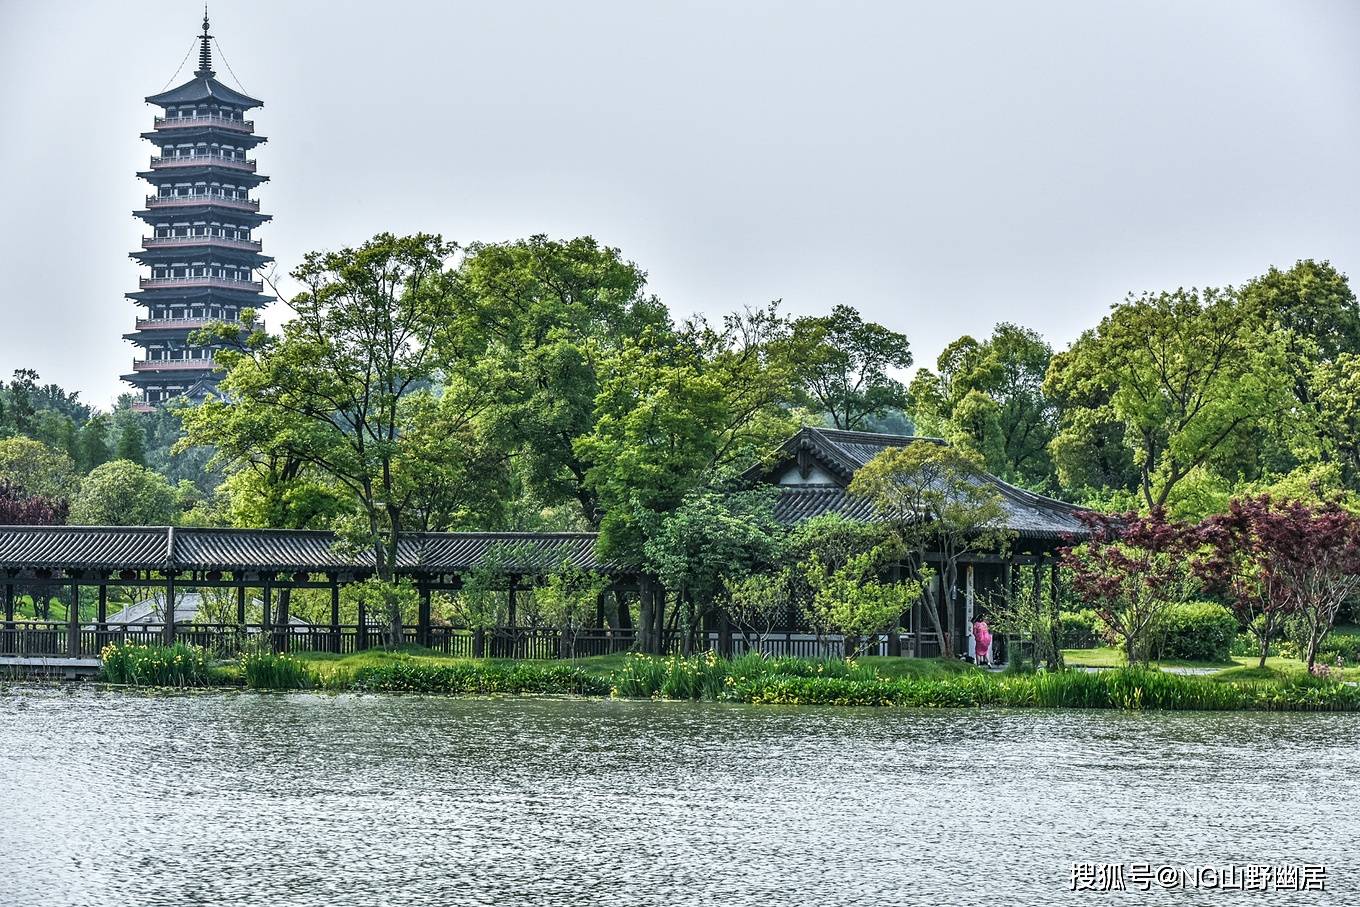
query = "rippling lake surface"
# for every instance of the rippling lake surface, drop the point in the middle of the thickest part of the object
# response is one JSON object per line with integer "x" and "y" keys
{"x": 224, "y": 798}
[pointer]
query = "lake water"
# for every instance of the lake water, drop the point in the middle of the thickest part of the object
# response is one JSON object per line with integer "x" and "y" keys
{"x": 227, "y": 798}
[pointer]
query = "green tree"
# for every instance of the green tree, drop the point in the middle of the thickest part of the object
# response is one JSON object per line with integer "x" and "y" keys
{"x": 567, "y": 600}
{"x": 92, "y": 442}
{"x": 716, "y": 535}
{"x": 38, "y": 469}
{"x": 375, "y": 326}
{"x": 844, "y": 363}
{"x": 129, "y": 437}
{"x": 854, "y": 601}
{"x": 550, "y": 313}
{"x": 944, "y": 506}
{"x": 121, "y": 493}
{"x": 988, "y": 397}
{"x": 1185, "y": 373}
{"x": 1336, "y": 394}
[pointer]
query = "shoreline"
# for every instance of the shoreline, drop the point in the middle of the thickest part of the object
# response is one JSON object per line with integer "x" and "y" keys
{"x": 752, "y": 680}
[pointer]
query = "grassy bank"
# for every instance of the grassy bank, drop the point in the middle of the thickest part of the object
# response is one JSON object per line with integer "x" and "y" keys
{"x": 920, "y": 683}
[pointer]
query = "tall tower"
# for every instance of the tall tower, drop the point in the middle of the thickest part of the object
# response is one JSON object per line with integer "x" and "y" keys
{"x": 201, "y": 252}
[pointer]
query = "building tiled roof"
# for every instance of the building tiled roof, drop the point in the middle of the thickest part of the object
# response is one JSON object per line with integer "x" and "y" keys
{"x": 204, "y": 88}
{"x": 283, "y": 550}
{"x": 842, "y": 453}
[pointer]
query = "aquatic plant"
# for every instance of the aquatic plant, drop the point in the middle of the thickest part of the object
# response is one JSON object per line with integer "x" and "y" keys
{"x": 178, "y": 665}
{"x": 267, "y": 671}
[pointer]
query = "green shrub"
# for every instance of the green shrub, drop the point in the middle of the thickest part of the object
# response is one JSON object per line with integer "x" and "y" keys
{"x": 1081, "y": 629}
{"x": 411, "y": 676}
{"x": 1345, "y": 645}
{"x": 1198, "y": 631}
{"x": 179, "y": 665}
{"x": 267, "y": 671}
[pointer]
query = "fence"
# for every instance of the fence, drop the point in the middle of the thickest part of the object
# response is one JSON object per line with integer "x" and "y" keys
{"x": 58, "y": 639}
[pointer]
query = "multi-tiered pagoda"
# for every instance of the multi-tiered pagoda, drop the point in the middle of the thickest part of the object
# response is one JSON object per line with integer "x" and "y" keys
{"x": 201, "y": 252}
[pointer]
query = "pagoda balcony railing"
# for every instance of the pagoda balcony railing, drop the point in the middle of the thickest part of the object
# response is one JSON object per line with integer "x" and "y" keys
{"x": 173, "y": 365}
{"x": 225, "y": 283}
{"x": 182, "y": 201}
{"x": 206, "y": 120}
{"x": 144, "y": 324}
{"x": 176, "y": 242}
{"x": 203, "y": 160}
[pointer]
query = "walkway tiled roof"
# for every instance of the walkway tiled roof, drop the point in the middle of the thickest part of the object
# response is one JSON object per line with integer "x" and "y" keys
{"x": 159, "y": 547}
{"x": 842, "y": 453}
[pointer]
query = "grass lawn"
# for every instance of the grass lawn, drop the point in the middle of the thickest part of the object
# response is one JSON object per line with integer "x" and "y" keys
{"x": 1109, "y": 657}
{"x": 1240, "y": 668}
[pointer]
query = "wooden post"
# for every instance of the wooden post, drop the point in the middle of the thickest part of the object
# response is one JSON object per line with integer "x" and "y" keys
{"x": 10, "y": 641}
{"x": 423, "y": 617}
{"x": 512, "y": 617}
{"x": 361, "y": 642}
{"x": 101, "y": 616}
{"x": 646, "y": 615}
{"x": 335, "y": 616}
{"x": 169, "y": 631}
{"x": 73, "y": 623}
{"x": 241, "y": 605}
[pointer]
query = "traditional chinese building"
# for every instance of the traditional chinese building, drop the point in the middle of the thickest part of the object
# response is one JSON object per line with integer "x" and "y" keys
{"x": 201, "y": 253}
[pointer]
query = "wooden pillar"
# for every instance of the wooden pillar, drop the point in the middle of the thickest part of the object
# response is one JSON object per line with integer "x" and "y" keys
{"x": 169, "y": 630}
{"x": 724, "y": 635}
{"x": 423, "y": 617}
{"x": 335, "y": 616}
{"x": 241, "y": 605}
{"x": 10, "y": 632}
{"x": 73, "y": 623}
{"x": 512, "y": 618}
{"x": 361, "y": 642}
{"x": 266, "y": 620}
{"x": 101, "y": 616}
{"x": 599, "y": 608}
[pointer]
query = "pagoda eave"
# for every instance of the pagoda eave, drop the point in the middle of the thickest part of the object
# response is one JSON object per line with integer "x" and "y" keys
{"x": 171, "y": 175}
{"x": 207, "y": 209}
{"x": 231, "y": 136}
{"x": 163, "y": 296}
{"x": 253, "y": 260}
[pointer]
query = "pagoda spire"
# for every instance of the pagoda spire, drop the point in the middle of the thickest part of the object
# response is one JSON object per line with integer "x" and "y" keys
{"x": 205, "y": 70}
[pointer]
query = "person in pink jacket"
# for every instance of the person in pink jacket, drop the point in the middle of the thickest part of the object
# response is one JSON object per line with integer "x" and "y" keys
{"x": 982, "y": 640}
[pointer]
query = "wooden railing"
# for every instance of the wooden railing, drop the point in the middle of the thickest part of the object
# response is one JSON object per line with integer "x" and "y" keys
{"x": 177, "y": 201}
{"x": 53, "y": 639}
{"x": 161, "y": 365}
{"x": 206, "y": 120}
{"x": 224, "y": 283}
{"x": 203, "y": 160}
{"x": 174, "y": 242}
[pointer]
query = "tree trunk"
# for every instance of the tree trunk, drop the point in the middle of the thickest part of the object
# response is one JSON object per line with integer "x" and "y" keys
{"x": 646, "y": 619}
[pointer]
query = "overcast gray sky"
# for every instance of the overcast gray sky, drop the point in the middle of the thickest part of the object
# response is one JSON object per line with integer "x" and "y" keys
{"x": 942, "y": 166}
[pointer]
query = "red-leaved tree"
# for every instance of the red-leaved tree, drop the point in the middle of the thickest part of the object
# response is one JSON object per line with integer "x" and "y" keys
{"x": 1131, "y": 570}
{"x": 19, "y": 508}
{"x": 1240, "y": 560}
{"x": 1298, "y": 560}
